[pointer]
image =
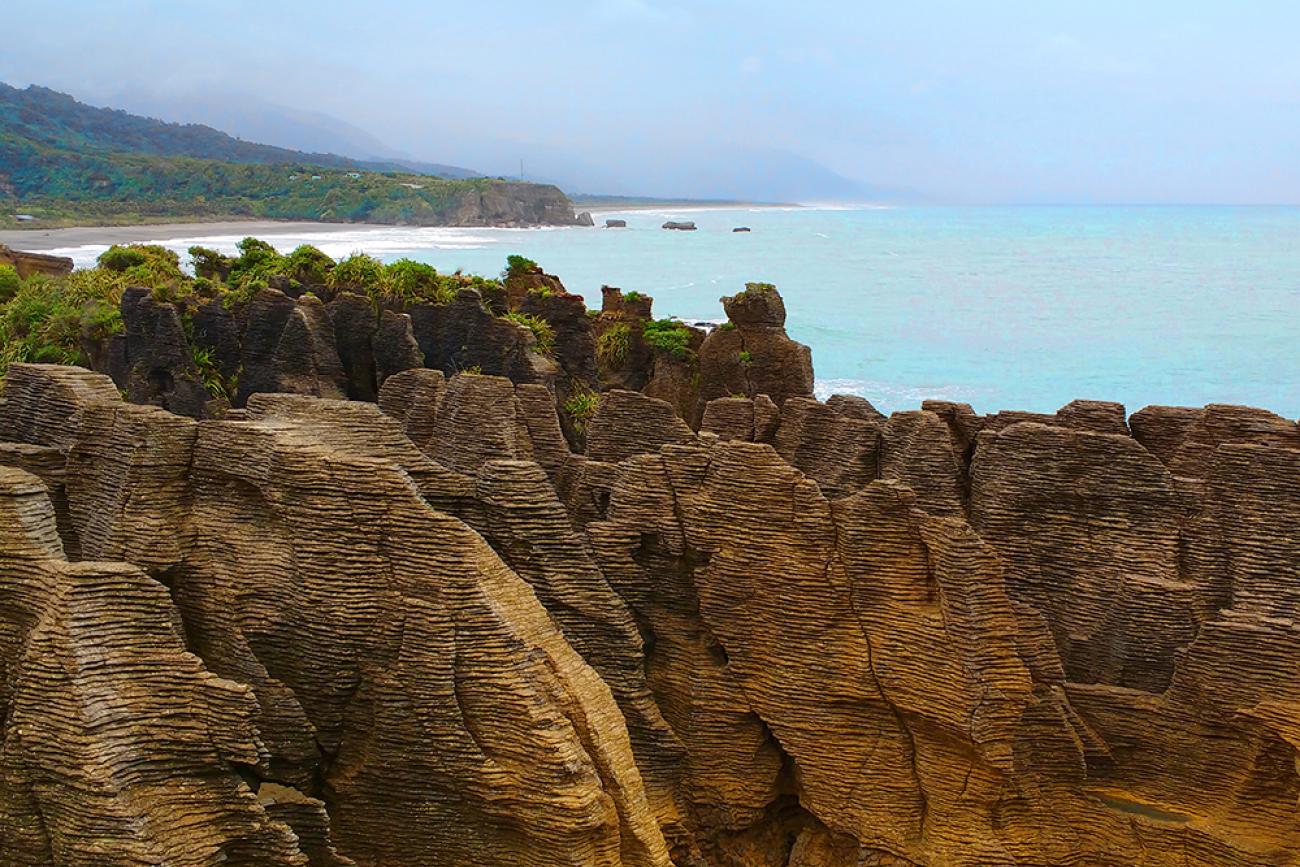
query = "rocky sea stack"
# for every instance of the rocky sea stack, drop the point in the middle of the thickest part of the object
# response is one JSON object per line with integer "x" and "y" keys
{"x": 309, "y": 573}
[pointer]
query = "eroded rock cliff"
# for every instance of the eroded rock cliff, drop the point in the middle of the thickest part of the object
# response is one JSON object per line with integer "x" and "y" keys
{"x": 428, "y": 631}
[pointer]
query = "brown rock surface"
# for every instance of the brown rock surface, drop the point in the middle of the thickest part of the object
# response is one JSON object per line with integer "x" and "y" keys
{"x": 282, "y": 585}
{"x": 116, "y": 745}
{"x": 807, "y": 636}
{"x": 840, "y": 452}
{"x": 629, "y": 423}
{"x": 27, "y": 264}
{"x": 755, "y": 355}
{"x": 44, "y": 402}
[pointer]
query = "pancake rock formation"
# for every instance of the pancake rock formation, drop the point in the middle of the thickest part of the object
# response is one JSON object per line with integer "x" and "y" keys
{"x": 387, "y": 611}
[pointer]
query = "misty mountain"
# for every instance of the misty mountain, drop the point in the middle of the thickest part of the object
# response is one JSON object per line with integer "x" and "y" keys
{"x": 45, "y": 117}
{"x": 210, "y": 120}
{"x": 691, "y": 171}
{"x": 683, "y": 171}
{"x": 253, "y": 118}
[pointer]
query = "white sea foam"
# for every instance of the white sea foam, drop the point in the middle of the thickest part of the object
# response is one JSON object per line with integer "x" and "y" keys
{"x": 383, "y": 242}
{"x": 890, "y": 396}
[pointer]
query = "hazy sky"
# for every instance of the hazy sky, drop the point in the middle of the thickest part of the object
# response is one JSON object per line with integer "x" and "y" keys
{"x": 1005, "y": 100}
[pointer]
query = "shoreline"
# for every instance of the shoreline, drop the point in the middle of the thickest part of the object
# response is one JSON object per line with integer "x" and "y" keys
{"x": 38, "y": 240}
{"x": 60, "y": 237}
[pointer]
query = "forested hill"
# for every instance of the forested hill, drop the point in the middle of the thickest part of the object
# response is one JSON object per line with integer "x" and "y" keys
{"x": 60, "y": 121}
{"x": 65, "y": 163}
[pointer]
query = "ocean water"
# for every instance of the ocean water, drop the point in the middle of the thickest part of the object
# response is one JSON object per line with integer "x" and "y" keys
{"x": 1004, "y": 308}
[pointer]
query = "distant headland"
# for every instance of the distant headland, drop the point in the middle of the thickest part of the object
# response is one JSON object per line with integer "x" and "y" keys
{"x": 70, "y": 164}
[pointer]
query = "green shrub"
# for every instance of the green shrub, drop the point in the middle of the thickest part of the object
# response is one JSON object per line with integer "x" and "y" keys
{"x": 613, "y": 345}
{"x": 416, "y": 281}
{"x": 307, "y": 265}
{"x": 47, "y": 317}
{"x": 745, "y": 357}
{"x": 758, "y": 289}
{"x": 257, "y": 260}
{"x": 581, "y": 406}
{"x": 9, "y": 282}
{"x": 358, "y": 272}
{"x": 242, "y": 294}
{"x": 255, "y": 251}
{"x": 209, "y": 263}
{"x": 170, "y": 293}
{"x": 668, "y": 335}
{"x": 519, "y": 265}
{"x": 119, "y": 258}
{"x": 632, "y": 296}
{"x": 541, "y": 329}
{"x": 145, "y": 265}
{"x": 727, "y": 326}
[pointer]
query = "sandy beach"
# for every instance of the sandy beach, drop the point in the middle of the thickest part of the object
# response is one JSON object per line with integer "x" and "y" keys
{"x": 36, "y": 240}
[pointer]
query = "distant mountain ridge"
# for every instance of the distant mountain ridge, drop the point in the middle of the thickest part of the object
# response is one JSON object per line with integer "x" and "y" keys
{"x": 253, "y": 118}
{"x": 59, "y": 120}
{"x": 63, "y": 162}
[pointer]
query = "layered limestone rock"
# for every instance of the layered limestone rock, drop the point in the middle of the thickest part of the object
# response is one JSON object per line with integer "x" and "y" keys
{"x": 466, "y": 335}
{"x": 754, "y": 355}
{"x": 805, "y": 636}
{"x": 116, "y": 745}
{"x": 27, "y": 264}
{"x": 385, "y": 654}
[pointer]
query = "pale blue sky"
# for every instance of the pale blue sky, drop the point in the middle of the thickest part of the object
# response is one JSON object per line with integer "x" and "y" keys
{"x": 1006, "y": 100}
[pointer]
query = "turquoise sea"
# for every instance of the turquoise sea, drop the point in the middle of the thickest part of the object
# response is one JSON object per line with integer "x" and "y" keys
{"x": 1001, "y": 307}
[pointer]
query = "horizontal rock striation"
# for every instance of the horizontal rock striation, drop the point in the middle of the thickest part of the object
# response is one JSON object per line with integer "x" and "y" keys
{"x": 27, "y": 264}
{"x": 708, "y": 623}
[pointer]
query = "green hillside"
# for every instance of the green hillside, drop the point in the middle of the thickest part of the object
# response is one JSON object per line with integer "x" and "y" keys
{"x": 66, "y": 163}
{"x": 47, "y": 117}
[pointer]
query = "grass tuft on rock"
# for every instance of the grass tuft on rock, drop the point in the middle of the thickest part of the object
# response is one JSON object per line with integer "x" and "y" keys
{"x": 613, "y": 345}
{"x": 581, "y": 406}
{"x": 541, "y": 329}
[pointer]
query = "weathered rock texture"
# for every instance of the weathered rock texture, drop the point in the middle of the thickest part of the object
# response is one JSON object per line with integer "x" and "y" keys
{"x": 200, "y": 356}
{"x": 27, "y": 264}
{"x": 753, "y": 355}
{"x": 427, "y": 632}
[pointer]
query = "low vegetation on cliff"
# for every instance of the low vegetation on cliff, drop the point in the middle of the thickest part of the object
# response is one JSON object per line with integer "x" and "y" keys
{"x": 668, "y": 335}
{"x": 56, "y": 319}
{"x": 200, "y": 334}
